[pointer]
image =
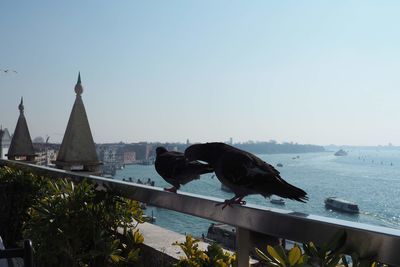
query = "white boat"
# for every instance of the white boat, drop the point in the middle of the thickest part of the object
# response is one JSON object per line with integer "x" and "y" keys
{"x": 277, "y": 201}
{"x": 340, "y": 152}
{"x": 339, "y": 204}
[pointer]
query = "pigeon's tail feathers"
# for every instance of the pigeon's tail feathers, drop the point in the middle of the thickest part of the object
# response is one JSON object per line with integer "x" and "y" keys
{"x": 286, "y": 190}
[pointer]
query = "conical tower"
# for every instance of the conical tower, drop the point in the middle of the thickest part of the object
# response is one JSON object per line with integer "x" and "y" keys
{"x": 21, "y": 147}
{"x": 78, "y": 151}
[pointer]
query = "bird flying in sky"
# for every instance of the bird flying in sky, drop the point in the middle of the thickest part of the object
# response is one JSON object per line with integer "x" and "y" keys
{"x": 243, "y": 173}
{"x": 173, "y": 168}
{"x": 7, "y": 70}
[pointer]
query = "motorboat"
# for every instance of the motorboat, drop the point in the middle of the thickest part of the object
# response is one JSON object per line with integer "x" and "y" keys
{"x": 339, "y": 204}
{"x": 277, "y": 201}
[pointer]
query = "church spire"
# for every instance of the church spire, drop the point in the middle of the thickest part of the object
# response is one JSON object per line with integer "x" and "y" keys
{"x": 21, "y": 105}
{"x": 78, "y": 151}
{"x": 21, "y": 147}
{"x": 78, "y": 86}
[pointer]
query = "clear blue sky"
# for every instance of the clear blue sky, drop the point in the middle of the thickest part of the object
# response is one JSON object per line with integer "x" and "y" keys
{"x": 316, "y": 72}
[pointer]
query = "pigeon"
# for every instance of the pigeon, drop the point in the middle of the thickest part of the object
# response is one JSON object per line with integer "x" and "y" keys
{"x": 243, "y": 173}
{"x": 173, "y": 168}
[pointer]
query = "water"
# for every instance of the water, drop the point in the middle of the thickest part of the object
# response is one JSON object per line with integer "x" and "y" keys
{"x": 368, "y": 177}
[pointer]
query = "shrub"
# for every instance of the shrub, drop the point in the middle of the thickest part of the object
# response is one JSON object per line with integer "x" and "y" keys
{"x": 19, "y": 190}
{"x": 213, "y": 257}
{"x": 330, "y": 254}
{"x": 77, "y": 225}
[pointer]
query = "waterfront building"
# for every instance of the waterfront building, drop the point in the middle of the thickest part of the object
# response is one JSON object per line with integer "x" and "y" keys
{"x": 143, "y": 151}
{"x": 21, "y": 147}
{"x": 78, "y": 151}
{"x": 5, "y": 141}
{"x": 129, "y": 157}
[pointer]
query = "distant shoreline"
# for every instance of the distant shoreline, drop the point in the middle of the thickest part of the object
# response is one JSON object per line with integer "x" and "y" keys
{"x": 275, "y": 148}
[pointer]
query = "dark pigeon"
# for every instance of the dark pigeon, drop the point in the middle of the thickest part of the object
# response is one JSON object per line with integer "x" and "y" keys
{"x": 173, "y": 167}
{"x": 243, "y": 173}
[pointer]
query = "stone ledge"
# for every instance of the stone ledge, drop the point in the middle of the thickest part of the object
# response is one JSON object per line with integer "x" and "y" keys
{"x": 161, "y": 239}
{"x": 158, "y": 249}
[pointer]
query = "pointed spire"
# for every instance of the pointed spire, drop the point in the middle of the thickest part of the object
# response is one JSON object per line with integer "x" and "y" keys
{"x": 78, "y": 151}
{"x": 78, "y": 86}
{"x": 21, "y": 143}
{"x": 21, "y": 105}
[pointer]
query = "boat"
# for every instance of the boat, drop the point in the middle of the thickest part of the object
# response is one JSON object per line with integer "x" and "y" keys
{"x": 279, "y": 165}
{"x": 339, "y": 204}
{"x": 340, "y": 152}
{"x": 277, "y": 201}
{"x": 223, "y": 234}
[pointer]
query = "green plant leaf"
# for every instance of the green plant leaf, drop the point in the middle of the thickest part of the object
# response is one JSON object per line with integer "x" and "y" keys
{"x": 263, "y": 256}
{"x": 294, "y": 255}
{"x": 274, "y": 254}
{"x": 116, "y": 258}
{"x": 134, "y": 255}
{"x": 282, "y": 253}
{"x": 138, "y": 237}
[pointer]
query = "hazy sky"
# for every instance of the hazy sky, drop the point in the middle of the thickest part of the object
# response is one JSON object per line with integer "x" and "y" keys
{"x": 316, "y": 72}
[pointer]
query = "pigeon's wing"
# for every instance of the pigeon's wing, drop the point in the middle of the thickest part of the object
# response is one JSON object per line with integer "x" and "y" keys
{"x": 168, "y": 166}
{"x": 244, "y": 161}
{"x": 256, "y": 161}
{"x": 266, "y": 180}
{"x": 234, "y": 167}
{"x": 247, "y": 174}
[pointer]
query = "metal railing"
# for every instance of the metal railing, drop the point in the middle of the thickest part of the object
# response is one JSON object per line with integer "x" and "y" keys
{"x": 381, "y": 243}
{"x": 25, "y": 253}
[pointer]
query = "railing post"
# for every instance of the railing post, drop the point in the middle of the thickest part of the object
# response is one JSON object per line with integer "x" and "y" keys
{"x": 28, "y": 253}
{"x": 242, "y": 246}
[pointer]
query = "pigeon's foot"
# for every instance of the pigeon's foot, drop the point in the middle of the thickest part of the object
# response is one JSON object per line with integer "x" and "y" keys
{"x": 172, "y": 189}
{"x": 230, "y": 202}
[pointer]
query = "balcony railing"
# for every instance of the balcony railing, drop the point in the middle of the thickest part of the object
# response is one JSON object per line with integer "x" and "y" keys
{"x": 381, "y": 243}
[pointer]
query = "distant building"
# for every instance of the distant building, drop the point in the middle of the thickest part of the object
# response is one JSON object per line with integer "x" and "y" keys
{"x": 21, "y": 147}
{"x": 78, "y": 151}
{"x": 143, "y": 151}
{"x": 46, "y": 153}
{"x": 5, "y": 141}
{"x": 129, "y": 157}
{"x": 44, "y": 157}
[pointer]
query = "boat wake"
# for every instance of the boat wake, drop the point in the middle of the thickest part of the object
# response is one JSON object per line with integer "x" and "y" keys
{"x": 381, "y": 220}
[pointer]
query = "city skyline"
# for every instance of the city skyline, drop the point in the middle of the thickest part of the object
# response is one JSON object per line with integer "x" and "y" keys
{"x": 310, "y": 72}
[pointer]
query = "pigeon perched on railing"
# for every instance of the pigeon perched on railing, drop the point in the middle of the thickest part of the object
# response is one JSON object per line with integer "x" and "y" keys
{"x": 243, "y": 173}
{"x": 176, "y": 170}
